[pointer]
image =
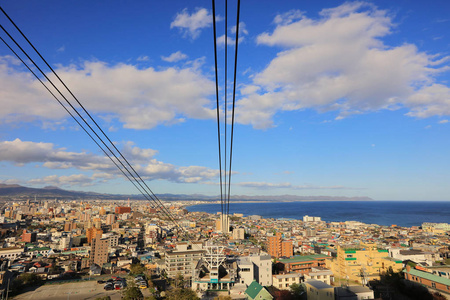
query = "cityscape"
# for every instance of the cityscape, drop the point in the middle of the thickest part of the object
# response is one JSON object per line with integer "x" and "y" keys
{"x": 89, "y": 249}
{"x": 224, "y": 150}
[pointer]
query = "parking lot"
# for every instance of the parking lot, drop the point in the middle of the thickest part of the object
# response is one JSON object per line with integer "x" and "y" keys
{"x": 74, "y": 290}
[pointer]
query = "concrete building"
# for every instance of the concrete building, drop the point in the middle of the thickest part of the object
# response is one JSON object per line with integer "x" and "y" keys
{"x": 417, "y": 256}
{"x": 262, "y": 266}
{"x": 284, "y": 281}
{"x": 122, "y": 209}
{"x": 318, "y": 290}
{"x": 99, "y": 250}
{"x": 238, "y": 233}
{"x": 277, "y": 247}
{"x": 91, "y": 233}
{"x": 110, "y": 219}
{"x": 28, "y": 237}
{"x": 302, "y": 264}
{"x": 11, "y": 253}
{"x": 311, "y": 219}
{"x": 320, "y": 274}
{"x": 184, "y": 259}
{"x": 223, "y": 224}
{"x": 255, "y": 268}
{"x": 433, "y": 282}
{"x": 362, "y": 263}
{"x": 353, "y": 292}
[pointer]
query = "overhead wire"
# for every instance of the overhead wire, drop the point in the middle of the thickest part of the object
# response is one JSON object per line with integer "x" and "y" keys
{"x": 76, "y": 99}
{"x": 152, "y": 196}
{"x": 217, "y": 105}
{"x": 234, "y": 102}
{"x": 225, "y": 97}
{"x": 84, "y": 129}
{"x": 225, "y": 185}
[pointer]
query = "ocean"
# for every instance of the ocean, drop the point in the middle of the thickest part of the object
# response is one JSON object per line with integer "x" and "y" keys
{"x": 401, "y": 213}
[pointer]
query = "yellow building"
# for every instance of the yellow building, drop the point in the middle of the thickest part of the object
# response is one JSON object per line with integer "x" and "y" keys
{"x": 362, "y": 263}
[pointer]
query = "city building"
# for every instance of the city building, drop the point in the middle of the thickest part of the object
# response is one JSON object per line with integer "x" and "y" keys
{"x": 28, "y": 237}
{"x": 311, "y": 219}
{"x": 320, "y": 274}
{"x": 238, "y": 233}
{"x": 425, "y": 277}
{"x": 184, "y": 259}
{"x": 284, "y": 281}
{"x": 99, "y": 250}
{"x": 318, "y": 290}
{"x": 353, "y": 292}
{"x": 110, "y": 219}
{"x": 122, "y": 210}
{"x": 362, "y": 263}
{"x": 302, "y": 264}
{"x": 277, "y": 247}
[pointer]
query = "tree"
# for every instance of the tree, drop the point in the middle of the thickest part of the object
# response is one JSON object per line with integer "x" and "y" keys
{"x": 181, "y": 294}
{"x": 132, "y": 293}
{"x": 137, "y": 269}
{"x": 297, "y": 290}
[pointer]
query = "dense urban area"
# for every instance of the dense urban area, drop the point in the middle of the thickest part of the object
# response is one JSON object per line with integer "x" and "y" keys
{"x": 98, "y": 249}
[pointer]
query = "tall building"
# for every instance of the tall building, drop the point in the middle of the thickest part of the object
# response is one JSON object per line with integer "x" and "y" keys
{"x": 277, "y": 247}
{"x": 223, "y": 224}
{"x": 110, "y": 219}
{"x": 99, "y": 250}
{"x": 68, "y": 226}
{"x": 91, "y": 233}
{"x": 184, "y": 259}
{"x": 238, "y": 233}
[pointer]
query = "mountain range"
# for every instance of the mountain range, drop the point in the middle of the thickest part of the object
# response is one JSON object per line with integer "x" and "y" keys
{"x": 15, "y": 191}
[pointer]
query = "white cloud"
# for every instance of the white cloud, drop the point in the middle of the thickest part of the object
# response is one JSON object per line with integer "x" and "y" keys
{"x": 71, "y": 180}
{"x": 443, "y": 121}
{"x": 338, "y": 62}
{"x": 139, "y": 98}
{"x": 287, "y": 185}
{"x": 143, "y": 58}
{"x": 230, "y": 41}
{"x": 24, "y": 152}
{"x": 174, "y": 57}
{"x": 191, "y": 24}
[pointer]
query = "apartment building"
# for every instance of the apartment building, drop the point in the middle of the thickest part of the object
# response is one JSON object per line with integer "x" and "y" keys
{"x": 277, "y": 247}
{"x": 183, "y": 259}
{"x": 362, "y": 263}
{"x": 99, "y": 250}
{"x": 432, "y": 280}
{"x": 302, "y": 264}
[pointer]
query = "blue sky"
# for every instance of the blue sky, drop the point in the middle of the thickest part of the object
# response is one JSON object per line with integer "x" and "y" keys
{"x": 333, "y": 98}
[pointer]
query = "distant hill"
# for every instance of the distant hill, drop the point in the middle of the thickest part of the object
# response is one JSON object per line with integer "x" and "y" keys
{"x": 15, "y": 191}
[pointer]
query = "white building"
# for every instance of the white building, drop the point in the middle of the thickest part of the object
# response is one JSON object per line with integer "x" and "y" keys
{"x": 311, "y": 219}
{"x": 262, "y": 269}
{"x": 284, "y": 281}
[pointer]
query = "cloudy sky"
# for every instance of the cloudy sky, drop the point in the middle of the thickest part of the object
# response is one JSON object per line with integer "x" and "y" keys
{"x": 332, "y": 98}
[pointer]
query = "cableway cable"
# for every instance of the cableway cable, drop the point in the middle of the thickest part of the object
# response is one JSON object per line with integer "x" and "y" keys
{"x": 217, "y": 104}
{"x": 153, "y": 196}
{"x": 90, "y": 117}
{"x": 234, "y": 103}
